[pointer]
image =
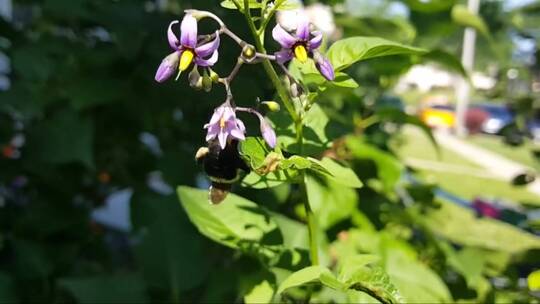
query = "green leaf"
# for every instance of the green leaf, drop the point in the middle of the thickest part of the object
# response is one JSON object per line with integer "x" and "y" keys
{"x": 341, "y": 174}
{"x": 341, "y": 80}
{"x": 229, "y": 4}
{"x": 331, "y": 202}
{"x": 270, "y": 180}
{"x": 236, "y": 222}
{"x": 170, "y": 252}
{"x": 261, "y": 293}
{"x": 310, "y": 274}
{"x": 449, "y": 220}
{"x": 462, "y": 16}
{"x": 446, "y": 60}
{"x": 346, "y": 52}
{"x": 316, "y": 137}
{"x": 375, "y": 282}
{"x": 107, "y": 289}
{"x": 253, "y": 150}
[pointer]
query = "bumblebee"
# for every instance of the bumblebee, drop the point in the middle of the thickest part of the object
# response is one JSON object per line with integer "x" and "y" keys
{"x": 223, "y": 167}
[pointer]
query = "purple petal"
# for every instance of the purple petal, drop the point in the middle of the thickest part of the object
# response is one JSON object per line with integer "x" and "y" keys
{"x": 168, "y": 67}
{"x": 283, "y": 56}
{"x": 207, "y": 49}
{"x": 188, "y": 28}
{"x": 241, "y": 125}
{"x": 216, "y": 116}
{"x": 325, "y": 67}
{"x": 222, "y": 137}
{"x": 238, "y": 134}
{"x": 268, "y": 134}
{"x": 285, "y": 39}
{"x": 212, "y": 132}
{"x": 302, "y": 29}
{"x": 207, "y": 62}
{"x": 173, "y": 40}
{"x": 316, "y": 41}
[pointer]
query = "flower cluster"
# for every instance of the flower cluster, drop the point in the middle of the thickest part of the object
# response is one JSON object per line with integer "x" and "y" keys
{"x": 202, "y": 51}
{"x": 303, "y": 44}
{"x": 187, "y": 50}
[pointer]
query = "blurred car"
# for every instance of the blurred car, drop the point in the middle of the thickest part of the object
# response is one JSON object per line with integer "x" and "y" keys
{"x": 438, "y": 116}
{"x": 499, "y": 117}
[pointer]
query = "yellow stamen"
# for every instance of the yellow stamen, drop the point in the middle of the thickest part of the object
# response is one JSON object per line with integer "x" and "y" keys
{"x": 300, "y": 53}
{"x": 222, "y": 122}
{"x": 186, "y": 59}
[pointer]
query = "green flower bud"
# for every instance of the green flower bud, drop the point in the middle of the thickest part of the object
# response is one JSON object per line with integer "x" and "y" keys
{"x": 249, "y": 52}
{"x": 214, "y": 76}
{"x": 206, "y": 82}
{"x": 271, "y": 106}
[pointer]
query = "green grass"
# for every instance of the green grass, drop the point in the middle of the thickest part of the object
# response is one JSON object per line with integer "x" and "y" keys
{"x": 522, "y": 154}
{"x": 416, "y": 145}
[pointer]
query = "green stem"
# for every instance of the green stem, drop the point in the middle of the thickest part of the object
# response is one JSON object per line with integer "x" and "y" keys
{"x": 269, "y": 69}
{"x": 312, "y": 226}
{"x": 297, "y": 119}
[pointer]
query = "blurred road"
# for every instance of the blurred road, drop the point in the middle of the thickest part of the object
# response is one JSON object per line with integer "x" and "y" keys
{"x": 499, "y": 166}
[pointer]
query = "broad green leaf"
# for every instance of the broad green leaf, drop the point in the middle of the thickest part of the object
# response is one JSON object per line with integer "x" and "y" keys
{"x": 331, "y": 202}
{"x": 342, "y": 80}
{"x": 375, "y": 282}
{"x": 106, "y": 289}
{"x": 430, "y": 6}
{"x": 270, "y": 180}
{"x": 316, "y": 124}
{"x": 261, "y": 293}
{"x": 416, "y": 282}
{"x": 341, "y": 174}
{"x": 395, "y": 29}
{"x": 169, "y": 250}
{"x": 229, "y": 4}
{"x": 310, "y": 274}
{"x": 295, "y": 161}
{"x": 446, "y": 60}
{"x": 449, "y": 220}
{"x": 462, "y": 16}
{"x": 236, "y": 222}
{"x": 346, "y": 52}
{"x": 254, "y": 151}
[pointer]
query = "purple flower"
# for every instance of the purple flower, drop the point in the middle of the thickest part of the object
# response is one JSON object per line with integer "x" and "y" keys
{"x": 187, "y": 49}
{"x": 224, "y": 124}
{"x": 302, "y": 45}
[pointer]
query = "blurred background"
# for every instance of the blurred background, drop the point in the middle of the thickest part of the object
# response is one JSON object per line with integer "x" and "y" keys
{"x": 92, "y": 149}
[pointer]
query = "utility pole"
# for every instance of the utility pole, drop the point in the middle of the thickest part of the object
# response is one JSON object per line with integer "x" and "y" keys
{"x": 463, "y": 89}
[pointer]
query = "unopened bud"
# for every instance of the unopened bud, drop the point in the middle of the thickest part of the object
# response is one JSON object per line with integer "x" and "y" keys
{"x": 206, "y": 82}
{"x": 199, "y": 84}
{"x": 214, "y": 76}
{"x": 249, "y": 52}
{"x": 194, "y": 77}
{"x": 272, "y": 106}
